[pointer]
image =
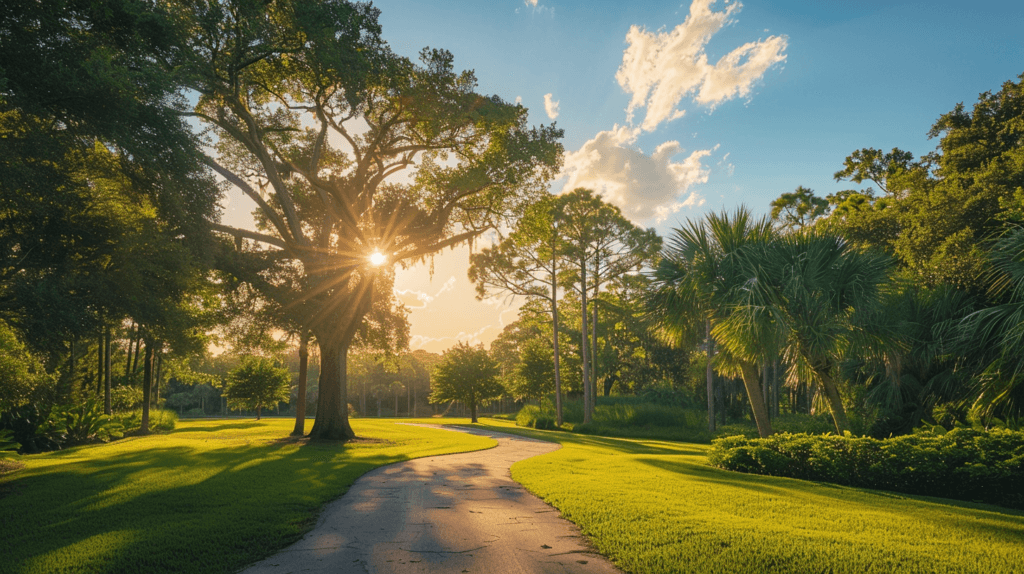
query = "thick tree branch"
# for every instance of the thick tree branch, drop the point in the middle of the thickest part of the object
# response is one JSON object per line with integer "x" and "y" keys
{"x": 240, "y": 183}
{"x": 234, "y": 231}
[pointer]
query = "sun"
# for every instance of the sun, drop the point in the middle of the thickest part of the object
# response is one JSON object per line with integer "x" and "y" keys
{"x": 377, "y": 258}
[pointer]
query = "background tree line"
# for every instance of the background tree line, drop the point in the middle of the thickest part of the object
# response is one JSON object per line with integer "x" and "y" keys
{"x": 892, "y": 303}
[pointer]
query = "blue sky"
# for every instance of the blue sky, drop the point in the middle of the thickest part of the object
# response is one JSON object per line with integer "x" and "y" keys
{"x": 855, "y": 74}
{"x": 817, "y": 81}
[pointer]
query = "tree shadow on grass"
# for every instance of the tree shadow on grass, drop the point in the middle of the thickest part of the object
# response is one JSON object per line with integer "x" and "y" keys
{"x": 249, "y": 499}
{"x": 218, "y": 428}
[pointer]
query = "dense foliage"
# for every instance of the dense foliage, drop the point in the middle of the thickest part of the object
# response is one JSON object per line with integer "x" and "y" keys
{"x": 964, "y": 463}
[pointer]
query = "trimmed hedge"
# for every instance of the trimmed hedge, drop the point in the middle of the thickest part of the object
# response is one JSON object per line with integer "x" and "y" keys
{"x": 965, "y": 464}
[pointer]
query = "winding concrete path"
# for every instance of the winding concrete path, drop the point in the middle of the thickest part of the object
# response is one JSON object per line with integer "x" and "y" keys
{"x": 447, "y": 514}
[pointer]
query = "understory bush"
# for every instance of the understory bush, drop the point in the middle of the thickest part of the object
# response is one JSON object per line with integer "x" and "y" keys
{"x": 34, "y": 428}
{"x": 7, "y": 442}
{"x": 965, "y": 464}
{"x": 160, "y": 420}
{"x": 86, "y": 423}
{"x": 534, "y": 417}
{"x": 629, "y": 417}
{"x": 792, "y": 423}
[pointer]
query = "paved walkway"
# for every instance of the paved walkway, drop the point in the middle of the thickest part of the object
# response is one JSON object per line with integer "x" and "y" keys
{"x": 447, "y": 514}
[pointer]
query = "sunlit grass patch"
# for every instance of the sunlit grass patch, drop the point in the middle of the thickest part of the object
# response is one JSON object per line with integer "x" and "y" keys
{"x": 210, "y": 496}
{"x": 657, "y": 507}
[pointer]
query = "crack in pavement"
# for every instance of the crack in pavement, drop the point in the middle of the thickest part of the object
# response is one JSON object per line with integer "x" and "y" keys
{"x": 431, "y": 508}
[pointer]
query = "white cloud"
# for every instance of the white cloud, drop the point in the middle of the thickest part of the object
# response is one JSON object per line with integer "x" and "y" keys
{"x": 531, "y": 3}
{"x": 644, "y": 186}
{"x": 550, "y": 106}
{"x": 660, "y": 68}
{"x": 727, "y": 167}
{"x": 407, "y": 296}
{"x": 519, "y": 99}
{"x": 437, "y": 344}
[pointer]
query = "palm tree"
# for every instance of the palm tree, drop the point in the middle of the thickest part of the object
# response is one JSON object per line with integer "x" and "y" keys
{"x": 695, "y": 284}
{"x": 811, "y": 295}
{"x": 998, "y": 331}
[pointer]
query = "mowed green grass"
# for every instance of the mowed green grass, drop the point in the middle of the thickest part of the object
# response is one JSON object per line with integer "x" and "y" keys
{"x": 211, "y": 496}
{"x": 656, "y": 507}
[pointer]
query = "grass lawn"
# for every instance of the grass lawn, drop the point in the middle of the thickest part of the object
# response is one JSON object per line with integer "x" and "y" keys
{"x": 211, "y": 496}
{"x": 656, "y": 507}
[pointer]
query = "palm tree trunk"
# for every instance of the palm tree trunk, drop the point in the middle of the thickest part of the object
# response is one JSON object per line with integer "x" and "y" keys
{"x": 752, "y": 382}
{"x": 766, "y": 388}
{"x": 776, "y": 387}
{"x": 835, "y": 402}
{"x": 711, "y": 378}
{"x": 300, "y": 406}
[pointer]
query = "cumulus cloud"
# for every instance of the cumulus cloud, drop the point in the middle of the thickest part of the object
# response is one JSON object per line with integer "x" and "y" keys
{"x": 660, "y": 68}
{"x": 644, "y": 186}
{"x": 519, "y": 99}
{"x": 550, "y": 106}
{"x": 531, "y": 3}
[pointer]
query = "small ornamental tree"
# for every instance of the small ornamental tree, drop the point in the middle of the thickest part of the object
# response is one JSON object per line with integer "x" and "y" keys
{"x": 534, "y": 376}
{"x": 257, "y": 383}
{"x": 466, "y": 374}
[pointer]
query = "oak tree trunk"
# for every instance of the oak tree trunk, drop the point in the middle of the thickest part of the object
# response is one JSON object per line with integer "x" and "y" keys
{"x": 332, "y": 406}
{"x": 300, "y": 407}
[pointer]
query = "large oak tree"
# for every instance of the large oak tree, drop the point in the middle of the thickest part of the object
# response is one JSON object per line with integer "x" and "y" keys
{"x": 348, "y": 150}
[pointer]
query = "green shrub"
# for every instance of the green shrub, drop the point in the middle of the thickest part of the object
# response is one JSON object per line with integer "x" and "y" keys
{"x": 669, "y": 397}
{"x": 34, "y": 428}
{"x": 534, "y": 417}
{"x": 7, "y": 442}
{"x": 628, "y": 417}
{"x": 505, "y": 416}
{"x": 124, "y": 398}
{"x": 966, "y": 464}
{"x": 792, "y": 423}
{"x": 87, "y": 423}
{"x": 161, "y": 420}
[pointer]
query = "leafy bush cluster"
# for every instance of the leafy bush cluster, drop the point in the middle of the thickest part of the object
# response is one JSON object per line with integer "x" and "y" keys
{"x": 7, "y": 442}
{"x": 621, "y": 416}
{"x": 36, "y": 430}
{"x": 534, "y": 417}
{"x": 792, "y": 423}
{"x": 966, "y": 464}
